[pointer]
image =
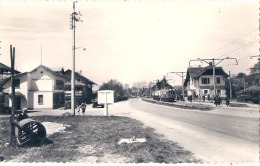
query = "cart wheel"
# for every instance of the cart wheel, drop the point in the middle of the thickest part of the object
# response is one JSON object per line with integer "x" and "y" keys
{"x": 30, "y": 132}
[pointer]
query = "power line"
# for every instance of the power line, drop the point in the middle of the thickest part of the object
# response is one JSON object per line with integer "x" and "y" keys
{"x": 239, "y": 48}
{"x": 231, "y": 42}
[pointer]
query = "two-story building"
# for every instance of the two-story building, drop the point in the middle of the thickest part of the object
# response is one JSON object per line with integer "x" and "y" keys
{"x": 40, "y": 88}
{"x": 83, "y": 87}
{"x": 199, "y": 81}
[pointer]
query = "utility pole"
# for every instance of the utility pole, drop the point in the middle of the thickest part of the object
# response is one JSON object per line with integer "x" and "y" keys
{"x": 74, "y": 19}
{"x": 230, "y": 86}
{"x": 182, "y": 79}
{"x": 212, "y": 62}
{"x": 12, "y": 55}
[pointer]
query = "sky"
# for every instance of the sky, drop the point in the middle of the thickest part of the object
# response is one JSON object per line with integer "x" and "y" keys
{"x": 130, "y": 41}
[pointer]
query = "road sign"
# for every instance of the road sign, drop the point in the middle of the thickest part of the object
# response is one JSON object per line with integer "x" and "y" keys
{"x": 106, "y": 97}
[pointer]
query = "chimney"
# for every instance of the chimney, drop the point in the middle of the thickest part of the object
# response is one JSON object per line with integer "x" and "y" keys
{"x": 80, "y": 72}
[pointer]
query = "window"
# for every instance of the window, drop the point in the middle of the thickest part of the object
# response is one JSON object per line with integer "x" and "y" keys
{"x": 17, "y": 83}
{"x": 59, "y": 82}
{"x": 205, "y": 81}
{"x": 40, "y": 99}
{"x": 218, "y": 80}
{"x": 206, "y": 92}
{"x": 78, "y": 79}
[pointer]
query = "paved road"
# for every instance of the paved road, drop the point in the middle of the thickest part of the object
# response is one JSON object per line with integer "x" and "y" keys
{"x": 221, "y": 135}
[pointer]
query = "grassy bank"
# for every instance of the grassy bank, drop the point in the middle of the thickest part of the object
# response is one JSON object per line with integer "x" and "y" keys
{"x": 95, "y": 139}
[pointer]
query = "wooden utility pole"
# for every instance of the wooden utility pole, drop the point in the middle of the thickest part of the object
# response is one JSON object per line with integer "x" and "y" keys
{"x": 12, "y": 53}
{"x": 230, "y": 86}
{"x": 74, "y": 19}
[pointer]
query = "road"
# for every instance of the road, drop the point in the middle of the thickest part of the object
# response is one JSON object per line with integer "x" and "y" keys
{"x": 220, "y": 135}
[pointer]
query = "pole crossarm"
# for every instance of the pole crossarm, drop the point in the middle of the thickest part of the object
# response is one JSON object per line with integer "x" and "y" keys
{"x": 208, "y": 61}
{"x": 251, "y": 57}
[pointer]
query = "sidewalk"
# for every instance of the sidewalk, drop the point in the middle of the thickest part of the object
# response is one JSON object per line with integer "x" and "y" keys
{"x": 61, "y": 112}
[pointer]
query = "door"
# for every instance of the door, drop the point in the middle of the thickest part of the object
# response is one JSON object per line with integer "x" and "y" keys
{"x": 17, "y": 102}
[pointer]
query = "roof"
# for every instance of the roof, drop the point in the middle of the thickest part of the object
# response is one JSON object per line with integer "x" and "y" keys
{"x": 162, "y": 84}
{"x": 198, "y": 71}
{"x": 9, "y": 78}
{"x": 48, "y": 69}
{"x": 4, "y": 68}
{"x": 81, "y": 76}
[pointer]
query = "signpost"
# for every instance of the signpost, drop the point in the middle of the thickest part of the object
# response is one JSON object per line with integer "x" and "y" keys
{"x": 106, "y": 97}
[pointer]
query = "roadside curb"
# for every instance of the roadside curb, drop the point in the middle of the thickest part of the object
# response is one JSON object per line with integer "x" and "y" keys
{"x": 200, "y": 107}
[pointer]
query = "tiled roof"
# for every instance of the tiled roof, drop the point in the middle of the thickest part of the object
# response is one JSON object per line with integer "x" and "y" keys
{"x": 81, "y": 76}
{"x": 198, "y": 71}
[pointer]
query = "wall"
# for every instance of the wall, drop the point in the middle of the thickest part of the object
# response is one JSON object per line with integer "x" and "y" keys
{"x": 47, "y": 100}
{"x": 22, "y": 89}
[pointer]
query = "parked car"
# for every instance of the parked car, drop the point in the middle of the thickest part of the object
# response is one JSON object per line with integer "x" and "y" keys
{"x": 96, "y": 105}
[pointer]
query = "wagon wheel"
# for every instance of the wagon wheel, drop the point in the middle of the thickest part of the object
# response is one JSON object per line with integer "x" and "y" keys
{"x": 30, "y": 131}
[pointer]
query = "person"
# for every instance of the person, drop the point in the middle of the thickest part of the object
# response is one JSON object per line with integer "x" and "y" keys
{"x": 181, "y": 97}
{"x": 77, "y": 107}
{"x": 22, "y": 115}
{"x": 208, "y": 97}
{"x": 203, "y": 98}
{"x": 83, "y": 107}
{"x": 216, "y": 100}
{"x": 227, "y": 101}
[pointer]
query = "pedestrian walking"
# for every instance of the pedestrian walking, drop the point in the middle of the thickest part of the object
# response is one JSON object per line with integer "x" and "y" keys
{"x": 227, "y": 101}
{"x": 203, "y": 98}
{"x": 217, "y": 100}
{"x": 78, "y": 109}
{"x": 83, "y": 107}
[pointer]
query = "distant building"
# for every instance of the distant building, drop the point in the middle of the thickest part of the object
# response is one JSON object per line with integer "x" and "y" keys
{"x": 199, "y": 81}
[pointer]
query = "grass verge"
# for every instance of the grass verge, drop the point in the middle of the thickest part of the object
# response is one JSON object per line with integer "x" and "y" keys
{"x": 94, "y": 139}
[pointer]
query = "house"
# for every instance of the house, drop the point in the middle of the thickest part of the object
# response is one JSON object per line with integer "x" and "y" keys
{"x": 5, "y": 73}
{"x": 83, "y": 87}
{"x": 40, "y": 88}
{"x": 199, "y": 81}
{"x": 163, "y": 84}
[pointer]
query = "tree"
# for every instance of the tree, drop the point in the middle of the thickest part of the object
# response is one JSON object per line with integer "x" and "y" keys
{"x": 114, "y": 85}
{"x": 240, "y": 75}
{"x": 255, "y": 69}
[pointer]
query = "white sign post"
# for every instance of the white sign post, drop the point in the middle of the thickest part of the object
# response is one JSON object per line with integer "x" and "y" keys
{"x": 106, "y": 97}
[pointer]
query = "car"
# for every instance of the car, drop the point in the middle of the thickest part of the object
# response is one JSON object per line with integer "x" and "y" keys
{"x": 96, "y": 105}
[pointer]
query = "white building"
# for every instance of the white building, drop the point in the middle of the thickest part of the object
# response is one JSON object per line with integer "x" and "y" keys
{"x": 199, "y": 81}
{"x": 40, "y": 88}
